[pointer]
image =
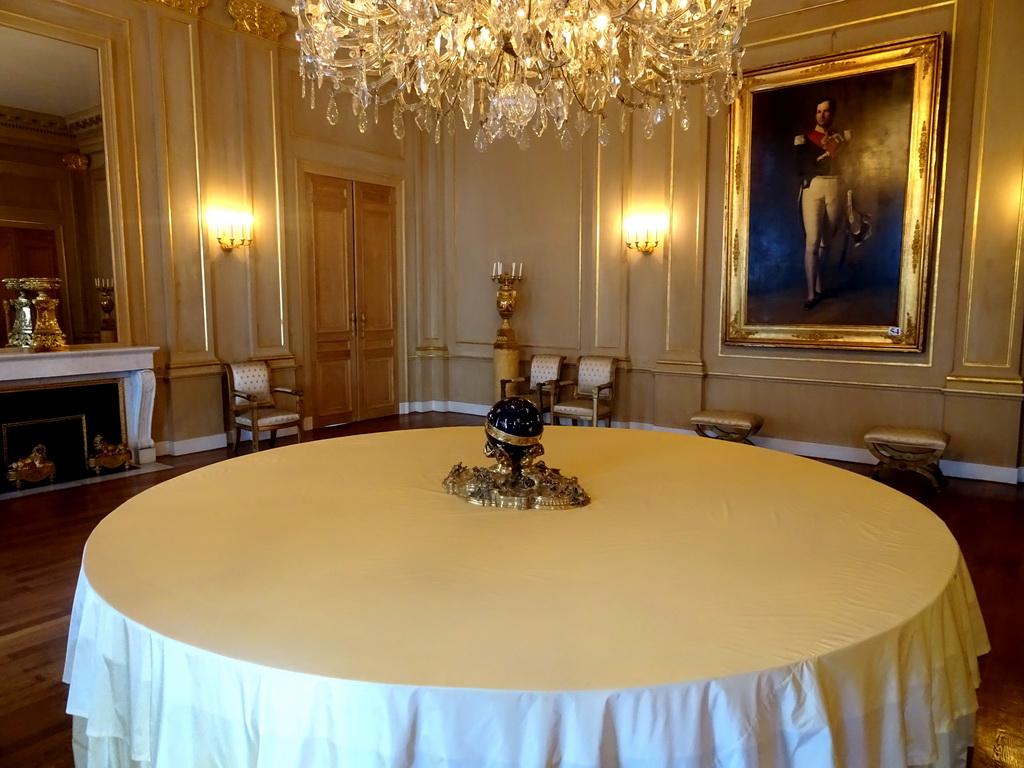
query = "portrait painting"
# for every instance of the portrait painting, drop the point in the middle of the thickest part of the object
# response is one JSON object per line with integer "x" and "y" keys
{"x": 833, "y": 166}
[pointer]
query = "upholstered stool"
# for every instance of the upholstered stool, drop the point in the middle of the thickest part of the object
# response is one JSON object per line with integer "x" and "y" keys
{"x": 735, "y": 426}
{"x": 908, "y": 448}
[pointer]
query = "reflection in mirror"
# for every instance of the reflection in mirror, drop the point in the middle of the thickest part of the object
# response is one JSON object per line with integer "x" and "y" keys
{"x": 54, "y": 217}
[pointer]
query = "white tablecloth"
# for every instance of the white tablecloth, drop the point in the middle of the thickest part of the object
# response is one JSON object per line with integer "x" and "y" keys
{"x": 327, "y": 604}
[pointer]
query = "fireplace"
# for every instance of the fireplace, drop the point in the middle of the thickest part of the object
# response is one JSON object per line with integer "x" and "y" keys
{"x": 107, "y": 387}
{"x": 63, "y": 418}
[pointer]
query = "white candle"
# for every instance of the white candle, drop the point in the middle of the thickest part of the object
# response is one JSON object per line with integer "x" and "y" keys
{"x": 494, "y": 269}
{"x": 501, "y": 269}
{"x": 520, "y": 269}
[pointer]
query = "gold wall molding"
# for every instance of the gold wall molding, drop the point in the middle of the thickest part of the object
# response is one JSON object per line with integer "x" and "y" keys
{"x": 193, "y": 370}
{"x": 188, "y": 6}
{"x": 257, "y": 19}
{"x": 1010, "y": 387}
{"x": 923, "y": 389}
{"x": 671, "y": 368}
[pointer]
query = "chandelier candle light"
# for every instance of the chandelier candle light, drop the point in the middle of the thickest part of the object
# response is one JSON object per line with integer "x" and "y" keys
{"x": 506, "y": 347}
{"x": 512, "y": 67}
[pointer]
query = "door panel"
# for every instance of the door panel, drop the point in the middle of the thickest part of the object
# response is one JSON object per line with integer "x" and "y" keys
{"x": 378, "y": 383}
{"x": 334, "y": 387}
{"x": 374, "y": 230}
{"x": 354, "y": 297}
{"x": 333, "y": 299}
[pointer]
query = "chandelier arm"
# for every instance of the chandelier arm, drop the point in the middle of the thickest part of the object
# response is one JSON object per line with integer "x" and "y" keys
{"x": 704, "y": 18}
{"x": 575, "y": 95}
{"x": 623, "y": 12}
{"x": 354, "y": 12}
{"x": 444, "y": 80}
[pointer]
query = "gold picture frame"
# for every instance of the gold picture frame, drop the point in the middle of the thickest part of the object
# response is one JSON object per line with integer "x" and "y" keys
{"x": 833, "y": 166}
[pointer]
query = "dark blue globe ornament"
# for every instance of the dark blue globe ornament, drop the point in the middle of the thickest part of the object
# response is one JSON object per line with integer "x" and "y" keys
{"x": 518, "y": 480}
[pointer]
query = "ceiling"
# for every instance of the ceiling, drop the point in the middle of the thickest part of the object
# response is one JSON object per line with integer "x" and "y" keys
{"x": 47, "y": 75}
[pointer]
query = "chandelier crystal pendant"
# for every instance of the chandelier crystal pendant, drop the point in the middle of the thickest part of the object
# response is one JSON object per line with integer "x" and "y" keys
{"x": 516, "y": 67}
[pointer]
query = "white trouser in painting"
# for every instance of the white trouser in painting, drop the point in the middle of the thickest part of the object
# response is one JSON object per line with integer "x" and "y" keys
{"x": 822, "y": 204}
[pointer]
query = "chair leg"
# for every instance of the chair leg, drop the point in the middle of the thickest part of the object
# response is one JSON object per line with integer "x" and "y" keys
{"x": 235, "y": 434}
{"x": 273, "y": 437}
{"x": 255, "y": 438}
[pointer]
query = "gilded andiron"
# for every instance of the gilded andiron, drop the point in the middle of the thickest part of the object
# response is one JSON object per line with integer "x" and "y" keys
{"x": 32, "y": 323}
{"x": 109, "y": 456}
{"x": 518, "y": 480}
{"x": 32, "y": 469}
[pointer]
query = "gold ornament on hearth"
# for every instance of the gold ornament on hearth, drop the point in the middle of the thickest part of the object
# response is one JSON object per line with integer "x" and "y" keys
{"x": 32, "y": 469}
{"x": 108, "y": 455}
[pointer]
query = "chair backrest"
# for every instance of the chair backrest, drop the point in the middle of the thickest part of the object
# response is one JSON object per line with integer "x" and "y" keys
{"x": 593, "y": 371}
{"x": 251, "y": 378}
{"x": 545, "y": 368}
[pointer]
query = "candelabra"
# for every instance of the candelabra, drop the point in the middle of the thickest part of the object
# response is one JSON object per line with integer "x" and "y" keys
{"x": 108, "y": 326}
{"x": 506, "y": 348}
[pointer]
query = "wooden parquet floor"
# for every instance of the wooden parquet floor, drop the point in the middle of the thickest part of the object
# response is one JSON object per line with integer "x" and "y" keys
{"x": 42, "y": 537}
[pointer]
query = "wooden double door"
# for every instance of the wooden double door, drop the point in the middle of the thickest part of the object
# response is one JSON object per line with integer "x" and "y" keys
{"x": 352, "y": 259}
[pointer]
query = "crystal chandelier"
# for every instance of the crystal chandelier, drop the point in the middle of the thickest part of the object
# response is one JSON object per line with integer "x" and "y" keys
{"x": 512, "y": 67}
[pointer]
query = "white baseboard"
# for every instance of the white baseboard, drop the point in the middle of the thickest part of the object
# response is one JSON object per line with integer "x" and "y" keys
{"x": 445, "y": 406}
{"x": 192, "y": 445}
{"x": 817, "y": 450}
{"x": 962, "y": 469}
{"x": 1011, "y": 475}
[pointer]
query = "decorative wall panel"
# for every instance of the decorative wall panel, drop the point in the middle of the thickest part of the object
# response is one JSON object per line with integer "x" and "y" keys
{"x": 186, "y": 247}
{"x": 515, "y": 206}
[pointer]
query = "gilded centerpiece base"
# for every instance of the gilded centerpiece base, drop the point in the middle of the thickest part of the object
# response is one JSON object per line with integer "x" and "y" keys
{"x": 518, "y": 480}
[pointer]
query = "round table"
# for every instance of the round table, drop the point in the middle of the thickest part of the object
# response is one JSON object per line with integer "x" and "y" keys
{"x": 328, "y": 604}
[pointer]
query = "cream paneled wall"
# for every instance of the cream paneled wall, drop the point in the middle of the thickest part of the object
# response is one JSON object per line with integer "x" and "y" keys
{"x": 663, "y": 314}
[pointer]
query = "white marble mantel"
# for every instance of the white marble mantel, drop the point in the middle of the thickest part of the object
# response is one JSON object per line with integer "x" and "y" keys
{"x": 85, "y": 362}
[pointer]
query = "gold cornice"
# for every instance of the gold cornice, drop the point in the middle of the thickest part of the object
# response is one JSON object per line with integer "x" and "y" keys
{"x": 257, "y": 19}
{"x": 188, "y": 6}
{"x": 34, "y": 122}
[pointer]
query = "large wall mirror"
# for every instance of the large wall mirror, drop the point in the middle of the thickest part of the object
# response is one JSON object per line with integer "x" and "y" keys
{"x": 54, "y": 200}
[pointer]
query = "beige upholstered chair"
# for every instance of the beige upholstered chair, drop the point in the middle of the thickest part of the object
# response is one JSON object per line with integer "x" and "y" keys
{"x": 254, "y": 405}
{"x": 593, "y": 391}
{"x": 545, "y": 371}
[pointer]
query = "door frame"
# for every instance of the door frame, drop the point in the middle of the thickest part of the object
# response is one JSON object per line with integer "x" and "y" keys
{"x": 303, "y": 295}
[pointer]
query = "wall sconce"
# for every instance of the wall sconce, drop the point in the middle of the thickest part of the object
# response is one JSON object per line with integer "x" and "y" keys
{"x": 643, "y": 233}
{"x": 231, "y": 228}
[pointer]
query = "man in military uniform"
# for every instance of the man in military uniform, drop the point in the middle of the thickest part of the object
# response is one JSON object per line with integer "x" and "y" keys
{"x": 824, "y": 196}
